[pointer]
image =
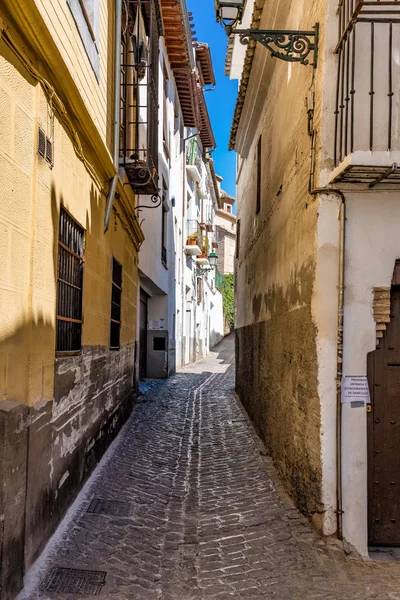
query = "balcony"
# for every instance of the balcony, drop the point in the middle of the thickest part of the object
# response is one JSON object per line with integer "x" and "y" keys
{"x": 193, "y": 240}
{"x": 139, "y": 104}
{"x": 194, "y": 160}
{"x": 367, "y": 138}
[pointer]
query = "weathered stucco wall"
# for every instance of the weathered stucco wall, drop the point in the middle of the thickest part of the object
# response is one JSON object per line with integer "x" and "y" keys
{"x": 277, "y": 368}
{"x": 57, "y": 414}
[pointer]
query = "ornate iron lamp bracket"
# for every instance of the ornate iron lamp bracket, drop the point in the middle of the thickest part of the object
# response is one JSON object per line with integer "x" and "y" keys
{"x": 156, "y": 201}
{"x": 291, "y": 46}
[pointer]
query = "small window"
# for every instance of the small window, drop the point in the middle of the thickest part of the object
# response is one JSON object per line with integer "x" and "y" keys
{"x": 238, "y": 239}
{"x": 69, "y": 284}
{"x": 159, "y": 344}
{"x": 199, "y": 290}
{"x": 164, "y": 253}
{"x": 258, "y": 179}
{"x": 116, "y": 294}
{"x": 86, "y": 16}
{"x": 229, "y": 208}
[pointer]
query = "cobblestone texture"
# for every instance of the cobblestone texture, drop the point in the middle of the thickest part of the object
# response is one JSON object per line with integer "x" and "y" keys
{"x": 210, "y": 520}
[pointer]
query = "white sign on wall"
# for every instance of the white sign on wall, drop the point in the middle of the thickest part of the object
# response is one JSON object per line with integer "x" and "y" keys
{"x": 355, "y": 389}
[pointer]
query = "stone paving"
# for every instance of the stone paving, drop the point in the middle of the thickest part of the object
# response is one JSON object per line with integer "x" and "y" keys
{"x": 207, "y": 518}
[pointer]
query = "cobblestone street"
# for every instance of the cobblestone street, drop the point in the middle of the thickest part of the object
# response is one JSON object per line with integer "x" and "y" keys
{"x": 196, "y": 512}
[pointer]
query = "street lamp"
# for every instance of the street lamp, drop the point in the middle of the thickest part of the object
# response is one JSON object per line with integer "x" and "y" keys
{"x": 229, "y": 12}
{"x": 288, "y": 45}
{"x": 212, "y": 259}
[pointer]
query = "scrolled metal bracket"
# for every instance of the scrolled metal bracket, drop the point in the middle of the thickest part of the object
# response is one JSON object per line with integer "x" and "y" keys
{"x": 291, "y": 46}
{"x": 155, "y": 199}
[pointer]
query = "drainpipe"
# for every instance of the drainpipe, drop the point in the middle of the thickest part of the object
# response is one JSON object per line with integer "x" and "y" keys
{"x": 339, "y": 352}
{"x": 117, "y": 100}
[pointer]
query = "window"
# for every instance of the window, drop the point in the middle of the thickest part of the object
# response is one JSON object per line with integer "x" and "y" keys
{"x": 164, "y": 254}
{"x": 199, "y": 290}
{"x": 258, "y": 176}
{"x": 86, "y": 16}
{"x": 159, "y": 344}
{"x": 229, "y": 208}
{"x": 238, "y": 239}
{"x": 165, "y": 112}
{"x": 69, "y": 284}
{"x": 116, "y": 293}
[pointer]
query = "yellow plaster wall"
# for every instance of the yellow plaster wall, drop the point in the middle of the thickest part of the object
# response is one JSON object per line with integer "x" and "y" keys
{"x": 31, "y": 194}
{"x": 59, "y": 21}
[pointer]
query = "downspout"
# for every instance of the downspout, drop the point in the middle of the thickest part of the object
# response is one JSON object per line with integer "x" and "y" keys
{"x": 339, "y": 352}
{"x": 117, "y": 101}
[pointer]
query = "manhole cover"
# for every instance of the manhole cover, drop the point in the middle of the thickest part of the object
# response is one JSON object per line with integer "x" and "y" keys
{"x": 74, "y": 581}
{"x": 114, "y": 508}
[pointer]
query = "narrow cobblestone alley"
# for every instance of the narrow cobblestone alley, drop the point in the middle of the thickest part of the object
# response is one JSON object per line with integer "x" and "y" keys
{"x": 186, "y": 506}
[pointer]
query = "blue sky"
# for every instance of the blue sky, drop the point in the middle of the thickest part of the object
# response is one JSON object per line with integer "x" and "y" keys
{"x": 220, "y": 102}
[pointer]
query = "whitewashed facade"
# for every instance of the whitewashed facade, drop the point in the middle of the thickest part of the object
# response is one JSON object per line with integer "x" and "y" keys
{"x": 180, "y": 309}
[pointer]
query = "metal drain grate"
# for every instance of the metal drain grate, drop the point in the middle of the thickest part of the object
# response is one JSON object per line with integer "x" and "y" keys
{"x": 98, "y": 506}
{"x": 74, "y": 581}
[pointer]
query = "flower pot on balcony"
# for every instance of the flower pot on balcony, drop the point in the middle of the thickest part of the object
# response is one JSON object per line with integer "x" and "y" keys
{"x": 203, "y": 226}
{"x": 214, "y": 244}
{"x": 209, "y": 227}
{"x": 203, "y": 254}
{"x": 191, "y": 241}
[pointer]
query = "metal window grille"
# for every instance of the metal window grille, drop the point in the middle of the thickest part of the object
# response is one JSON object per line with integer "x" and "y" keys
{"x": 258, "y": 197}
{"x": 116, "y": 294}
{"x": 70, "y": 284}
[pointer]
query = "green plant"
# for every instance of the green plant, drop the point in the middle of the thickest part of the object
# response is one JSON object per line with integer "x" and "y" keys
{"x": 228, "y": 296}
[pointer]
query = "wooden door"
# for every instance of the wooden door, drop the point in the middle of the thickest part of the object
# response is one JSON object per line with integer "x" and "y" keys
{"x": 384, "y": 434}
{"x": 143, "y": 335}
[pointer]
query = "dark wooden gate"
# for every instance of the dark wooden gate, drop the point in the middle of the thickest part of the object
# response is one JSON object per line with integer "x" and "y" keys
{"x": 143, "y": 335}
{"x": 384, "y": 434}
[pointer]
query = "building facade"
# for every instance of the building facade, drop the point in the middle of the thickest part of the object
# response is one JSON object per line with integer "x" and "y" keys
{"x": 179, "y": 308}
{"x": 69, "y": 276}
{"x": 317, "y": 259}
{"x": 225, "y": 226}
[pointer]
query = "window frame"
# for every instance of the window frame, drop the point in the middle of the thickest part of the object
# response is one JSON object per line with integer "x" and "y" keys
{"x": 62, "y": 300}
{"x": 258, "y": 175}
{"x": 117, "y": 286}
{"x": 88, "y": 30}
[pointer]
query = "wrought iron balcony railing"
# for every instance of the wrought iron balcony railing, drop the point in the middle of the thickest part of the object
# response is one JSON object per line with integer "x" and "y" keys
{"x": 367, "y": 139}
{"x": 139, "y": 101}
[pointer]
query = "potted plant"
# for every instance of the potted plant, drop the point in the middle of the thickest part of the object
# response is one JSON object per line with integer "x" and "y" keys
{"x": 204, "y": 251}
{"x": 214, "y": 244}
{"x": 203, "y": 226}
{"x": 192, "y": 239}
{"x": 209, "y": 227}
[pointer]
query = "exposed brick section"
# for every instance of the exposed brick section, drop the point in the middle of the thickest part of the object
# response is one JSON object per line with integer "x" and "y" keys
{"x": 381, "y": 307}
{"x": 210, "y": 519}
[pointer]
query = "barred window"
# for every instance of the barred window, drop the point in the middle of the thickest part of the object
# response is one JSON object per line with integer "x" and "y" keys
{"x": 116, "y": 293}
{"x": 70, "y": 283}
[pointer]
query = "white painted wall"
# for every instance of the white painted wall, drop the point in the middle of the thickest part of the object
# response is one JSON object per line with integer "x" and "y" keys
{"x": 158, "y": 280}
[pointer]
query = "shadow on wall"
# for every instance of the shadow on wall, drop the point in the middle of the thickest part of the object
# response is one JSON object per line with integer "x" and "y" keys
{"x": 57, "y": 417}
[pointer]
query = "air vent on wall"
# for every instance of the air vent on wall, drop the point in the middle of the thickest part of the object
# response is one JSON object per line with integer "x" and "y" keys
{"x": 49, "y": 151}
{"x": 42, "y": 143}
{"x": 45, "y": 147}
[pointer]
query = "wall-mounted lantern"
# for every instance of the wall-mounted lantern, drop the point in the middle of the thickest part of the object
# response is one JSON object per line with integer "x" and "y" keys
{"x": 291, "y": 46}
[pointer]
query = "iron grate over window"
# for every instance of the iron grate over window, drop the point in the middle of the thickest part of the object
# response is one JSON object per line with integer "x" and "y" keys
{"x": 116, "y": 293}
{"x": 70, "y": 284}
